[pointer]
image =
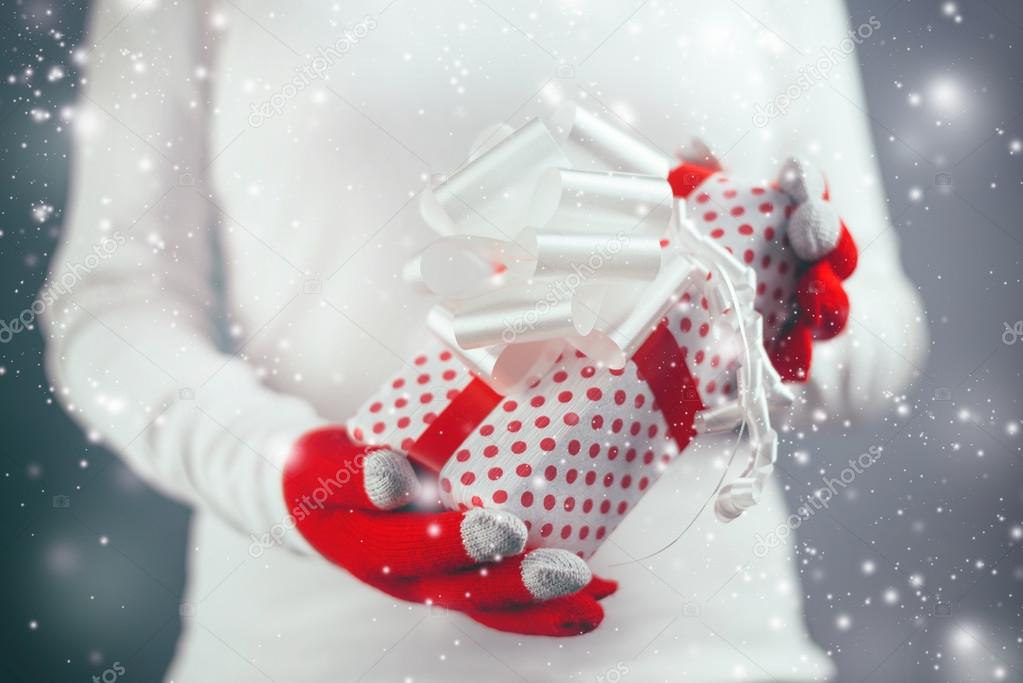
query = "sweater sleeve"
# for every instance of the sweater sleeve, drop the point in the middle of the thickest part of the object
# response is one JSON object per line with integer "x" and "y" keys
{"x": 883, "y": 348}
{"x": 134, "y": 316}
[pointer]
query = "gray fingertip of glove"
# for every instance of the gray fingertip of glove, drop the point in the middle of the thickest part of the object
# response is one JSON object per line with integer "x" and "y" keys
{"x": 800, "y": 180}
{"x": 492, "y": 534}
{"x": 389, "y": 479}
{"x": 814, "y": 230}
{"x": 551, "y": 573}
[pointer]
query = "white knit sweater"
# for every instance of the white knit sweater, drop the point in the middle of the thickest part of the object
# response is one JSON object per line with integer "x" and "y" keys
{"x": 254, "y": 163}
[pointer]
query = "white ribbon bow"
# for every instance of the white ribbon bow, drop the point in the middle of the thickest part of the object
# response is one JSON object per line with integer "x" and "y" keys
{"x": 551, "y": 235}
{"x": 568, "y": 233}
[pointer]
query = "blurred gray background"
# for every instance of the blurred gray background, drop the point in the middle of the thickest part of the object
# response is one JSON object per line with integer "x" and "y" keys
{"x": 914, "y": 573}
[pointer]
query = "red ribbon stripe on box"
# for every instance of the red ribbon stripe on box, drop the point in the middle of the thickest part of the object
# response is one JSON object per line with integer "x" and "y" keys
{"x": 659, "y": 361}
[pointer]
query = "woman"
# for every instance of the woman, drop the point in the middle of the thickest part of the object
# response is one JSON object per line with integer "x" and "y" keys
{"x": 259, "y": 162}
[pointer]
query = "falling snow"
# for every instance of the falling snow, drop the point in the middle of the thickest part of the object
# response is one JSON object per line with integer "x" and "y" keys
{"x": 912, "y": 571}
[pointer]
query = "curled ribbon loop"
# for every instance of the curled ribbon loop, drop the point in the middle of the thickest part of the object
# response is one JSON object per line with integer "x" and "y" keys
{"x": 537, "y": 250}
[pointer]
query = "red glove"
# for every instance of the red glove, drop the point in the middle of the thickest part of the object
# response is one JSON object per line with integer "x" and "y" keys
{"x": 798, "y": 246}
{"x": 343, "y": 498}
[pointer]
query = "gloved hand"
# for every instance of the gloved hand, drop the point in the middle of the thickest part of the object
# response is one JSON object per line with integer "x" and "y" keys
{"x": 790, "y": 235}
{"x": 344, "y": 499}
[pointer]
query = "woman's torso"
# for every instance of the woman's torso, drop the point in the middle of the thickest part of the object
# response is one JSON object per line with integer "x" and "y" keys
{"x": 321, "y": 142}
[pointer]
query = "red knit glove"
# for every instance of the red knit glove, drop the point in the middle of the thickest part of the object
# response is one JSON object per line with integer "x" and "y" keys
{"x": 798, "y": 246}
{"x": 343, "y": 498}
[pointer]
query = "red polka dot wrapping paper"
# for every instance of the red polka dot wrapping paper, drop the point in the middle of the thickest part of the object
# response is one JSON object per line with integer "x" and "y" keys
{"x": 573, "y": 454}
{"x": 750, "y": 221}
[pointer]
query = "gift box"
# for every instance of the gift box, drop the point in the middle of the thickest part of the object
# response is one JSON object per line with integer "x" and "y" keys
{"x": 586, "y": 331}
